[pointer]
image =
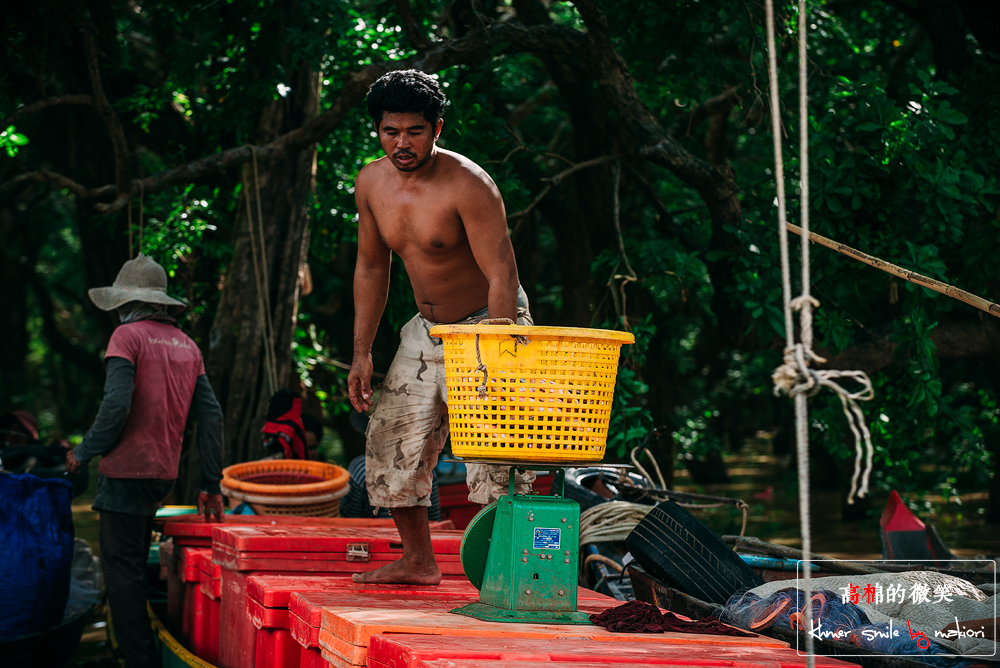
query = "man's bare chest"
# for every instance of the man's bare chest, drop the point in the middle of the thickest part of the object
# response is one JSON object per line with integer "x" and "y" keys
{"x": 410, "y": 223}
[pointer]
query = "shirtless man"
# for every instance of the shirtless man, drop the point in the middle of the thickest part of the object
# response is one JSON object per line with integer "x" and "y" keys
{"x": 443, "y": 215}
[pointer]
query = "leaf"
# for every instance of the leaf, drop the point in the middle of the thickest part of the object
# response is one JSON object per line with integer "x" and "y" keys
{"x": 833, "y": 203}
{"x": 946, "y": 114}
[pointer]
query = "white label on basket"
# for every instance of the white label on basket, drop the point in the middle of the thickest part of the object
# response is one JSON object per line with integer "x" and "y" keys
{"x": 546, "y": 539}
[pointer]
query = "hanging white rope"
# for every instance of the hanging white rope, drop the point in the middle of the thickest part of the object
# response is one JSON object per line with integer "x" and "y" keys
{"x": 260, "y": 277}
{"x": 787, "y": 376}
{"x": 794, "y": 376}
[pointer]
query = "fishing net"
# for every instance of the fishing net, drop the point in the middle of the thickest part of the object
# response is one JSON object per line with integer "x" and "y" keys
{"x": 834, "y": 619}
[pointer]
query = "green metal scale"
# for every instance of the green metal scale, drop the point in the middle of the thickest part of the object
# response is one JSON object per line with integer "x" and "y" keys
{"x": 522, "y": 553}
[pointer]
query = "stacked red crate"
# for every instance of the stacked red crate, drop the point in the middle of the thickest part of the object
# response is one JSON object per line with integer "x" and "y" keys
{"x": 347, "y": 631}
{"x": 305, "y": 608}
{"x": 411, "y": 651}
{"x": 193, "y": 606}
{"x": 205, "y": 636}
{"x": 189, "y": 561}
{"x": 194, "y": 531}
{"x": 246, "y": 551}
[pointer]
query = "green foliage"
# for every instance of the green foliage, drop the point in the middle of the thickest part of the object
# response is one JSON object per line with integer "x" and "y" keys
{"x": 902, "y": 166}
{"x": 10, "y": 139}
{"x": 631, "y": 421}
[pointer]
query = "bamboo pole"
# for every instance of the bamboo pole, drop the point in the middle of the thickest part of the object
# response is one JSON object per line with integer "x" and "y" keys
{"x": 905, "y": 274}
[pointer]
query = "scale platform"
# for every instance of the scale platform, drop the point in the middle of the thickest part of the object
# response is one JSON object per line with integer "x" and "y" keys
{"x": 522, "y": 551}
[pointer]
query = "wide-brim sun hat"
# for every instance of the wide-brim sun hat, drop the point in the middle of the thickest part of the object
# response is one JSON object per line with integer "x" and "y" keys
{"x": 140, "y": 280}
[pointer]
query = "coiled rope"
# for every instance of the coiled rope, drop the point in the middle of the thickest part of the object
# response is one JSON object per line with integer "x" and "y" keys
{"x": 610, "y": 522}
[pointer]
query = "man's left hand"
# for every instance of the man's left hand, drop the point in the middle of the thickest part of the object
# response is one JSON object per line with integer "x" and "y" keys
{"x": 72, "y": 463}
{"x": 209, "y": 505}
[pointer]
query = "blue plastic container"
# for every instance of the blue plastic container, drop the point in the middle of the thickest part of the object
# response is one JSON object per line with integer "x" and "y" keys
{"x": 36, "y": 552}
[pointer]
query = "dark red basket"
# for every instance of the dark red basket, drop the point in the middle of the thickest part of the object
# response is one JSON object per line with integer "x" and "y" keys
{"x": 272, "y": 478}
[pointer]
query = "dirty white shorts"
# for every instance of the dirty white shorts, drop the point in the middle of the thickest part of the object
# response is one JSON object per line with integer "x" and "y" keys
{"x": 409, "y": 425}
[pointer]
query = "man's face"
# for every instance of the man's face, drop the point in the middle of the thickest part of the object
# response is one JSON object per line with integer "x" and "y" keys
{"x": 408, "y": 139}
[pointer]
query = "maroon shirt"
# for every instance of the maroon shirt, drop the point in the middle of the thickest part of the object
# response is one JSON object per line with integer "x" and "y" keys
{"x": 167, "y": 365}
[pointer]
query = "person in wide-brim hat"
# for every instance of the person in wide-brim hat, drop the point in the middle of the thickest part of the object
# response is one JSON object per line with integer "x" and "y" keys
{"x": 140, "y": 280}
{"x": 155, "y": 385}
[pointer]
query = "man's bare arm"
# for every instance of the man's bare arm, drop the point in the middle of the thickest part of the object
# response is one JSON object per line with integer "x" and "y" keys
{"x": 484, "y": 218}
{"x": 371, "y": 289}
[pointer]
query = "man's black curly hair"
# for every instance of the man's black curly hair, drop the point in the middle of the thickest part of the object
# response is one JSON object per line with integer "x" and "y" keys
{"x": 406, "y": 91}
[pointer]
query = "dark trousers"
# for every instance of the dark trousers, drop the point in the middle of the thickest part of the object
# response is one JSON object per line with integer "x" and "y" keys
{"x": 124, "y": 550}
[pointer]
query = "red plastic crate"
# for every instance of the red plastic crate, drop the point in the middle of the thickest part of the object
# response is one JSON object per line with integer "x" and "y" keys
{"x": 322, "y": 549}
{"x": 243, "y": 551}
{"x": 346, "y": 630}
{"x": 276, "y": 591}
{"x": 475, "y": 663}
{"x": 205, "y": 636}
{"x": 305, "y": 608}
{"x": 189, "y": 561}
{"x": 192, "y": 530}
{"x": 275, "y": 647}
{"x": 410, "y": 651}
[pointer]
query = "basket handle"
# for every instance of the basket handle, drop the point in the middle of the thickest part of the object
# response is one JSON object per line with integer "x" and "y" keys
{"x": 523, "y": 340}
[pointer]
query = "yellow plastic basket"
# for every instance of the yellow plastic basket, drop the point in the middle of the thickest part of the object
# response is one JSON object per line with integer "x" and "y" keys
{"x": 548, "y": 400}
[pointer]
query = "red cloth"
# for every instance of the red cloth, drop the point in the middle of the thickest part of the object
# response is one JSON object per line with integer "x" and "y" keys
{"x": 640, "y": 617}
{"x": 167, "y": 365}
{"x": 284, "y": 422}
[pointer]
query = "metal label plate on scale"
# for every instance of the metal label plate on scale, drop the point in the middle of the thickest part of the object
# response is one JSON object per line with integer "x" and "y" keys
{"x": 546, "y": 539}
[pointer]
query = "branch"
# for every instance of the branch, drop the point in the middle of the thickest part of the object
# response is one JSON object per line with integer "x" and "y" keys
{"x": 475, "y": 46}
{"x": 123, "y": 180}
{"x": 595, "y": 20}
{"x": 608, "y": 68}
{"x": 556, "y": 180}
{"x": 45, "y": 176}
{"x": 42, "y": 104}
{"x": 410, "y": 25}
{"x": 715, "y": 185}
{"x": 713, "y": 106}
{"x": 913, "y": 277}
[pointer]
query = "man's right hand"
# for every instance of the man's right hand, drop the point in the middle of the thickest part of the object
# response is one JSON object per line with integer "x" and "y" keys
{"x": 359, "y": 383}
{"x": 72, "y": 463}
{"x": 211, "y": 506}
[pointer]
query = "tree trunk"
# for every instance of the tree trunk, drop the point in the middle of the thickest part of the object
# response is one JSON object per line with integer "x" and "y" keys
{"x": 236, "y": 361}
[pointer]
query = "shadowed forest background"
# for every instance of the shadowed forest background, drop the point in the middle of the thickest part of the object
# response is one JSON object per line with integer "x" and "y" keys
{"x": 631, "y": 142}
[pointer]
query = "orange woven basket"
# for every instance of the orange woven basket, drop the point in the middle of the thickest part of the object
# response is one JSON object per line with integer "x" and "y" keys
{"x": 285, "y": 478}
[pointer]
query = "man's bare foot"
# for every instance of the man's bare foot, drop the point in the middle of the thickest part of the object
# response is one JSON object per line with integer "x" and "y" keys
{"x": 402, "y": 572}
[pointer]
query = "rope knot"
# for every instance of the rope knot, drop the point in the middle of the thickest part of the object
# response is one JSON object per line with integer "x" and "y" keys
{"x": 800, "y": 301}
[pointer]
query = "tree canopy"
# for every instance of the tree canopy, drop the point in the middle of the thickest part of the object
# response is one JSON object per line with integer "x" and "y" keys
{"x": 631, "y": 142}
